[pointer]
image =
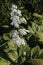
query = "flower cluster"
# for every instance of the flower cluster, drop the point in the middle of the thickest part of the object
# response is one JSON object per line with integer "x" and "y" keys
{"x": 16, "y": 38}
{"x": 16, "y": 17}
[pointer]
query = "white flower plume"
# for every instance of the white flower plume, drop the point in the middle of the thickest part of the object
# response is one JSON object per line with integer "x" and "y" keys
{"x": 17, "y": 40}
{"x": 16, "y": 17}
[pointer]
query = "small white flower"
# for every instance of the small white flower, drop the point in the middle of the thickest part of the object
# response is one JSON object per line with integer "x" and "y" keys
{"x": 15, "y": 33}
{"x": 23, "y": 20}
{"x": 24, "y": 53}
{"x": 19, "y": 12}
{"x": 18, "y": 41}
{"x": 14, "y": 7}
{"x": 23, "y": 31}
{"x": 16, "y": 25}
{"x": 12, "y": 23}
{"x": 18, "y": 19}
{"x": 11, "y": 18}
{"x": 14, "y": 11}
{"x": 15, "y": 21}
{"x": 12, "y": 14}
{"x": 23, "y": 41}
{"x": 27, "y": 31}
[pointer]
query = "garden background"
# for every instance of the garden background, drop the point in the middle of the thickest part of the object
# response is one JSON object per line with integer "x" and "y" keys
{"x": 27, "y": 48}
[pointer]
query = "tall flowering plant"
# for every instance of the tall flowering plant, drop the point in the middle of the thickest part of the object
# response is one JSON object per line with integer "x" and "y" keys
{"x": 14, "y": 43}
{"x": 17, "y": 19}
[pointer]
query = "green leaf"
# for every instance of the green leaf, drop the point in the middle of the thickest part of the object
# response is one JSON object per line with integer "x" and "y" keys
{"x": 30, "y": 29}
{"x": 21, "y": 49}
{"x": 34, "y": 26}
{"x": 41, "y": 53}
{"x": 4, "y": 62}
{"x": 39, "y": 35}
{"x": 5, "y": 26}
{"x": 34, "y": 51}
{"x": 13, "y": 55}
{"x": 38, "y": 16}
{"x": 5, "y": 36}
{"x": 12, "y": 45}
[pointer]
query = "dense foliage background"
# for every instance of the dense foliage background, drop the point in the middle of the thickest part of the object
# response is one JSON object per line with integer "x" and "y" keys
{"x": 10, "y": 53}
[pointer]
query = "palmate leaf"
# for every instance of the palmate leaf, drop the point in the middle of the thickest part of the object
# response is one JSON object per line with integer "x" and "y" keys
{"x": 30, "y": 29}
{"x": 12, "y": 45}
{"x": 13, "y": 55}
{"x": 39, "y": 35}
{"x": 23, "y": 49}
{"x": 37, "y": 30}
{"x": 34, "y": 51}
{"x": 41, "y": 28}
{"x": 11, "y": 51}
{"x": 34, "y": 26}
